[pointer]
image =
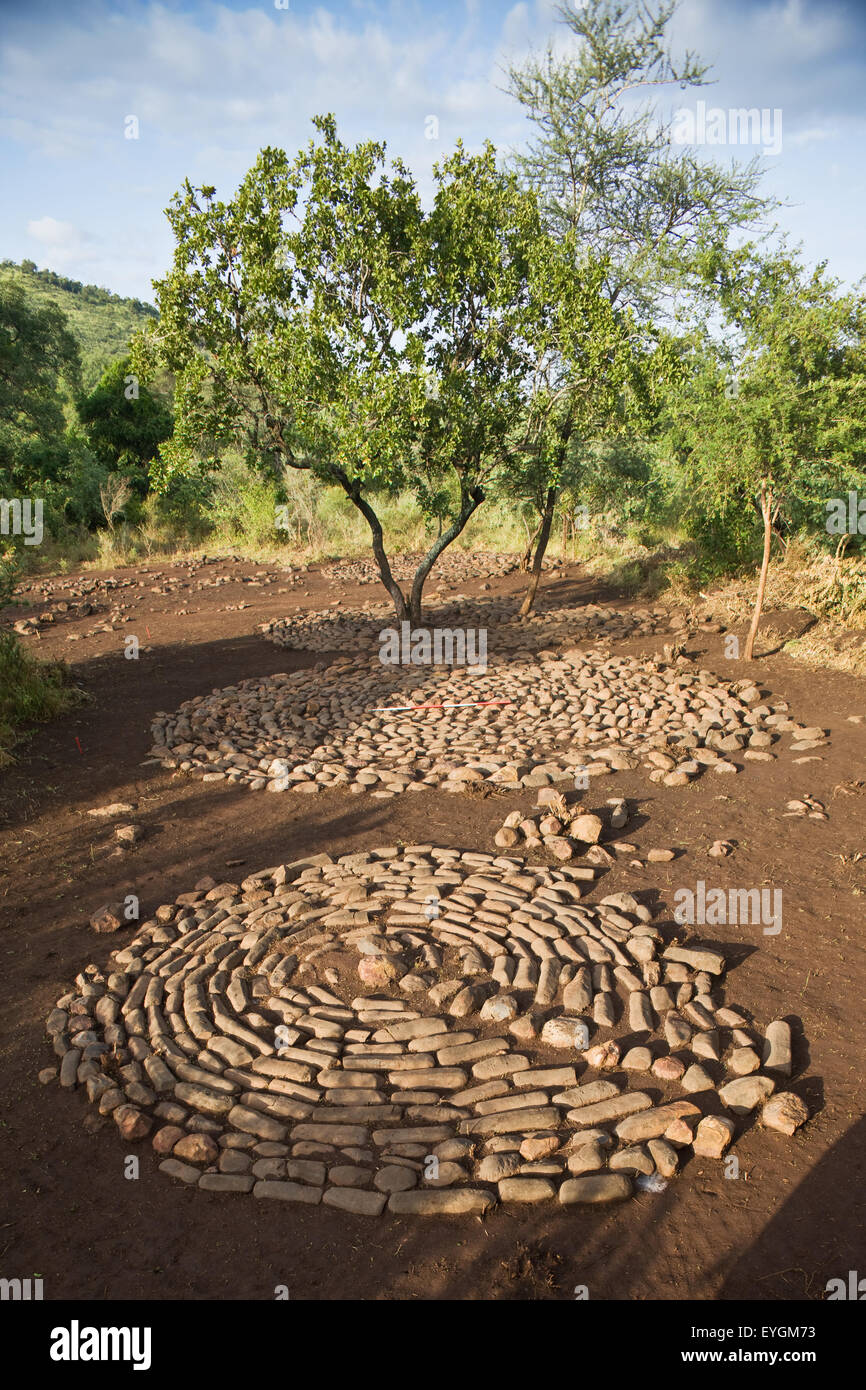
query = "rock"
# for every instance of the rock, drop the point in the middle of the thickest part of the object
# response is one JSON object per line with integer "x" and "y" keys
{"x": 698, "y": 957}
{"x": 184, "y": 1171}
{"x": 394, "y": 1178}
{"x": 652, "y": 1123}
{"x": 196, "y": 1148}
{"x": 777, "y": 1047}
{"x": 668, "y": 1068}
{"x": 604, "y": 1056}
{"x": 595, "y": 1188}
{"x": 637, "y": 1059}
{"x": 128, "y": 834}
{"x": 743, "y": 1061}
{"x": 133, "y": 1125}
{"x": 632, "y": 1160}
{"x": 453, "y": 1201}
{"x": 494, "y": 1167}
{"x": 355, "y": 1201}
{"x": 109, "y": 918}
{"x": 586, "y": 828}
{"x": 660, "y": 856}
{"x": 280, "y": 1191}
{"x": 664, "y": 1156}
{"x": 614, "y": 1109}
{"x": 116, "y": 808}
{"x": 713, "y": 1135}
{"x": 785, "y": 1112}
{"x": 587, "y": 1159}
{"x": 697, "y": 1079}
{"x": 501, "y": 1008}
{"x": 744, "y": 1094}
{"x": 526, "y": 1190}
{"x": 539, "y": 1146}
{"x": 570, "y": 1033}
{"x": 377, "y": 971}
{"x": 506, "y": 838}
{"x": 165, "y": 1139}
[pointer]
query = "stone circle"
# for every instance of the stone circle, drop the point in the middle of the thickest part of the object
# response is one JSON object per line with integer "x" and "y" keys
{"x": 419, "y": 1028}
{"x": 354, "y": 630}
{"x": 319, "y": 727}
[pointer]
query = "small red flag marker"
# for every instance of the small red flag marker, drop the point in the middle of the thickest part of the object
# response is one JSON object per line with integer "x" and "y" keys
{"x": 78, "y": 741}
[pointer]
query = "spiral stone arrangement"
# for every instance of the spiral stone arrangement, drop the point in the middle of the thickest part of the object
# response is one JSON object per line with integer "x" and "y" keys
{"x": 421, "y": 1027}
{"x": 336, "y": 725}
{"x": 357, "y": 630}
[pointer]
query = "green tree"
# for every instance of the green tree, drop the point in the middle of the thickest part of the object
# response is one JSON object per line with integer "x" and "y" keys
{"x": 124, "y": 423}
{"x": 39, "y": 365}
{"x": 771, "y": 418}
{"x": 610, "y": 179}
{"x": 322, "y": 321}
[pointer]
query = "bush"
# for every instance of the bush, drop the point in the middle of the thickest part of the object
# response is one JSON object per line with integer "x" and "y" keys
{"x": 29, "y": 690}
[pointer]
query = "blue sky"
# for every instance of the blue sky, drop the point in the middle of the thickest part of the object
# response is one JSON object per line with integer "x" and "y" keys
{"x": 210, "y": 83}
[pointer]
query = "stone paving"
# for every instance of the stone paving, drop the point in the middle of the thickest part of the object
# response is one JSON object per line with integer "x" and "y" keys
{"x": 334, "y": 725}
{"x": 419, "y": 1029}
{"x": 357, "y": 630}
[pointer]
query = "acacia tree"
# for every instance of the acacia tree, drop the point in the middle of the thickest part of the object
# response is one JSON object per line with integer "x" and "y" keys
{"x": 609, "y": 176}
{"x": 322, "y": 321}
{"x": 775, "y": 409}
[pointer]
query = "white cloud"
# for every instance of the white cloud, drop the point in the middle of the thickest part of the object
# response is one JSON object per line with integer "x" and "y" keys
{"x": 58, "y": 235}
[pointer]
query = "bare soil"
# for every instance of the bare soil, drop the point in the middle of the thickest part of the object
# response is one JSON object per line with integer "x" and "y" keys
{"x": 792, "y": 1220}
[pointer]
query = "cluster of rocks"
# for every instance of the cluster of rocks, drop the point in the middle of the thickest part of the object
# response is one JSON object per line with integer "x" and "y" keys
{"x": 358, "y": 630}
{"x": 414, "y": 1027}
{"x": 563, "y": 828}
{"x": 807, "y": 806}
{"x": 76, "y": 597}
{"x": 454, "y": 566}
{"x": 336, "y": 725}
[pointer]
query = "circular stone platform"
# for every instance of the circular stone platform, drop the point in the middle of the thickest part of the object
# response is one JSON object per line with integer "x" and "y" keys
{"x": 419, "y": 1027}
{"x": 316, "y": 728}
{"x": 357, "y": 630}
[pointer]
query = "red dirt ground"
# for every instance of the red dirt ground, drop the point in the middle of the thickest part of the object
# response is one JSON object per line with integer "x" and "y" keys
{"x": 792, "y": 1221}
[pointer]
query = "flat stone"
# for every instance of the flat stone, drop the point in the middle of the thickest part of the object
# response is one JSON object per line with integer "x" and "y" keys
{"x": 526, "y": 1190}
{"x": 446, "y": 1201}
{"x": 777, "y": 1047}
{"x": 228, "y": 1182}
{"x": 355, "y": 1201}
{"x": 614, "y": 1109}
{"x": 747, "y": 1092}
{"x": 184, "y": 1171}
{"x": 595, "y": 1188}
{"x": 394, "y": 1178}
{"x": 288, "y": 1192}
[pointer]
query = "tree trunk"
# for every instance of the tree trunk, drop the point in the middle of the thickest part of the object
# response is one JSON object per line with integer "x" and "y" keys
{"x": 469, "y": 502}
{"x": 543, "y": 538}
{"x": 526, "y": 558}
{"x": 353, "y": 492}
{"x": 767, "y": 513}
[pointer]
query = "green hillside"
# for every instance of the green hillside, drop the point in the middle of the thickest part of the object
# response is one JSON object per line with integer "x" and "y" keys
{"x": 103, "y": 323}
